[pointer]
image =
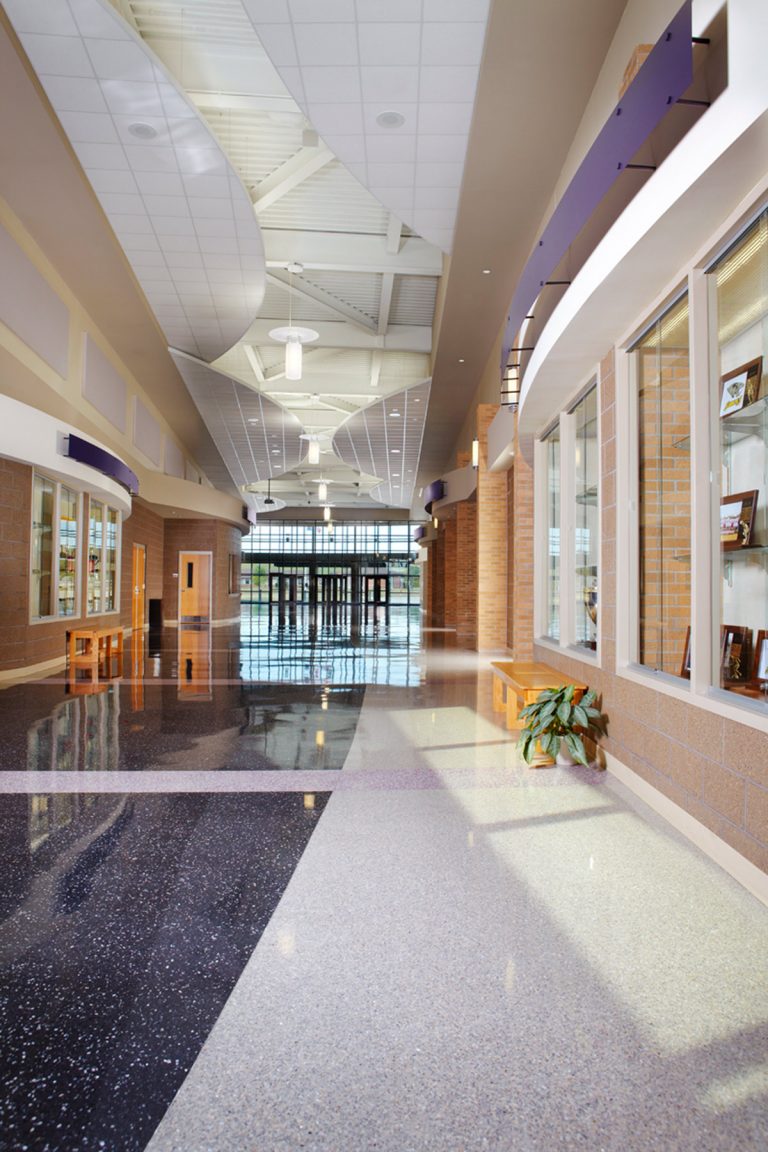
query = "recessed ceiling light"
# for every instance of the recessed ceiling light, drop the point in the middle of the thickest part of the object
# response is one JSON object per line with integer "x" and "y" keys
{"x": 395, "y": 474}
{"x": 417, "y": 399}
{"x": 390, "y": 119}
{"x": 461, "y": 361}
{"x": 252, "y": 420}
{"x": 142, "y": 131}
{"x": 394, "y": 413}
{"x": 486, "y": 271}
{"x": 275, "y": 451}
{"x": 395, "y": 451}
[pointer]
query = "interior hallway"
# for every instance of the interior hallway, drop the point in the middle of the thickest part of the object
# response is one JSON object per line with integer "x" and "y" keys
{"x": 463, "y": 953}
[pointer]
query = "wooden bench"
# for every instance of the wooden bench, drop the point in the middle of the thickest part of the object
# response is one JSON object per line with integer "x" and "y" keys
{"x": 517, "y": 684}
{"x": 97, "y": 642}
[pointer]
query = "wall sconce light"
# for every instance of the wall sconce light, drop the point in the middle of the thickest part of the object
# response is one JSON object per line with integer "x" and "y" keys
{"x": 434, "y": 521}
{"x": 475, "y": 453}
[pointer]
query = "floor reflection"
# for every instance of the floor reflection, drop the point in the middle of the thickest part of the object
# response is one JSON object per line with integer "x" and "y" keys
{"x": 265, "y": 696}
{"x": 125, "y": 923}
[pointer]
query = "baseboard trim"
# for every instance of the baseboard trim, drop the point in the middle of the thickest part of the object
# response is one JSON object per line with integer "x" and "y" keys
{"x": 731, "y": 861}
{"x": 32, "y": 671}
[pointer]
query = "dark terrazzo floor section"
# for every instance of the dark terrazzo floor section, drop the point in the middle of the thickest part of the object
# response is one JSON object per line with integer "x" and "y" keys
{"x": 126, "y": 921}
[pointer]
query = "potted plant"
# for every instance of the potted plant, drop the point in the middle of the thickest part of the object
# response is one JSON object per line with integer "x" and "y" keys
{"x": 558, "y": 715}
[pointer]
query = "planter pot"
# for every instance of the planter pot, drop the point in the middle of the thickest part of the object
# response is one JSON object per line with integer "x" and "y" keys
{"x": 540, "y": 758}
{"x": 564, "y": 757}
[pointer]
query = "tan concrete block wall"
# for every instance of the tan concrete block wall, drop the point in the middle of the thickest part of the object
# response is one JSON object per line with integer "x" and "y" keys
{"x": 15, "y": 519}
{"x": 712, "y": 767}
{"x": 466, "y": 574}
{"x": 492, "y": 545}
{"x": 520, "y": 558}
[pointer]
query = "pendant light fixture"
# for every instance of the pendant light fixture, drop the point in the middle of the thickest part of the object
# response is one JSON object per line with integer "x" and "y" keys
{"x": 322, "y": 491}
{"x": 292, "y": 336}
{"x": 313, "y": 446}
{"x": 327, "y": 513}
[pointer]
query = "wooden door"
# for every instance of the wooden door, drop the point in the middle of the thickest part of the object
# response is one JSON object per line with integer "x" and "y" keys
{"x": 195, "y": 587}
{"x": 139, "y": 585}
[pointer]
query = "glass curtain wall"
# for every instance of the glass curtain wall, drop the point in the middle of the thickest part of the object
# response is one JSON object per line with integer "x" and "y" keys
{"x": 69, "y": 503}
{"x": 664, "y": 493}
{"x": 43, "y": 502}
{"x": 741, "y": 295}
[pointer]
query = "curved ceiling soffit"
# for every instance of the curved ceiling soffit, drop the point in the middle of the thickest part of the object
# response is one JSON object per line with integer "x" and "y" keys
{"x": 263, "y": 504}
{"x": 177, "y": 207}
{"x": 391, "y": 96}
{"x": 384, "y": 440}
{"x": 256, "y": 438}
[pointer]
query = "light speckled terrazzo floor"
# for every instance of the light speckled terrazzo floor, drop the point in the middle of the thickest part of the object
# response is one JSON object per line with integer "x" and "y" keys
{"x": 472, "y": 955}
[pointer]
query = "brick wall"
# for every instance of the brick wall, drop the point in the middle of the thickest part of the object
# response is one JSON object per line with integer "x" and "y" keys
{"x": 15, "y": 516}
{"x": 711, "y": 766}
{"x": 664, "y": 507}
{"x": 491, "y": 543}
{"x": 466, "y": 573}
{"x": 520, "y": 558}
{"x": 201, "y": 536}
{"x": 142, "y": 527}
{"x": 449, "y": 573}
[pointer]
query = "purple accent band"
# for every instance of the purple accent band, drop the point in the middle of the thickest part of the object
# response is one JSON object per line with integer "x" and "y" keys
{"x": 86, "y": 453}
{"x": 419, "y": 533}
{"x": 661, "y": 81}
{"x": 433, "y": 491}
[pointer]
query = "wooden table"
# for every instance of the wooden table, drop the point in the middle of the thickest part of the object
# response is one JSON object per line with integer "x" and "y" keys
{"x": 517, "y": 684}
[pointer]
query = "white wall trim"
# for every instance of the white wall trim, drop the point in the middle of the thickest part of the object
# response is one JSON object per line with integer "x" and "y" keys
{"x": 727, "y": 858}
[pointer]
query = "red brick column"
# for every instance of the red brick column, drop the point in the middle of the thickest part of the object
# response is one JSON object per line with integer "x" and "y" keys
{"x": 449, "y": 573}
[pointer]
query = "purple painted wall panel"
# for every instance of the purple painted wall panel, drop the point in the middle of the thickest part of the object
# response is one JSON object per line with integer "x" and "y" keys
{"x": 661, "y": 81}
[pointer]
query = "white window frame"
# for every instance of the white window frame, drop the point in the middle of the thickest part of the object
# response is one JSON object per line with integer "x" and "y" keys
{"x": 55, "y": 550}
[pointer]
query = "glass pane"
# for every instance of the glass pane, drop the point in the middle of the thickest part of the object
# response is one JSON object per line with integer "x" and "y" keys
{"x": 553, "y": 534}
{"x": 68, "y": 507}
{"x": 587, "y": 464}
{"x": 95, "y": 546}
{"x": 110, "y": 562}
{"x": 42, "y": 548}
{"x": 664, "y": 489}
{"x": 742, "y": 309}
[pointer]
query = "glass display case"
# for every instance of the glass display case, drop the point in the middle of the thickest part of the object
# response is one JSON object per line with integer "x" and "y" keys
{"x": 741, "y": 294}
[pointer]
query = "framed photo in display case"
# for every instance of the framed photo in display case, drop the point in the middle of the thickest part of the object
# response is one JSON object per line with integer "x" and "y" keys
{"x": 741, "y": 387}
{"x": 760, "y": 669}
{"x": 737, "y": 515}
{"x": 735, "y": 653}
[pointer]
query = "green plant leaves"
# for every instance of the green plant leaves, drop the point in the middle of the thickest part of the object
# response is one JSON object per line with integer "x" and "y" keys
{"x": 554, "y": 716}
{"x": 575, "y": 746}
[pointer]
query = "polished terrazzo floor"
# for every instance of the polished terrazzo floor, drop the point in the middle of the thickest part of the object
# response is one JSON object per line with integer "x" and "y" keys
{"x": 415, "y": 943}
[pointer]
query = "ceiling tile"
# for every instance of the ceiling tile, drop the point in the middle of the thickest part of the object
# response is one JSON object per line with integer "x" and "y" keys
{"x": 447, "y": 44}
{"x": 444, "y": 149}
{"x": 120, "y": 60}
{"x": 391, "y": 149}
{"x": 177, "y": 206}
{"x": 131, "y": 225}
{"x": 40, "y": 16}
{"x": 447, "y": 119}
{"x": 336, "y": 119}
{"x": 385, "y": 43}
{"x": 144, "y": 158}
{"x": 213, "y": 227}
{"x": 160, "y": 183}
{"x": 371, "y": 111}
{"x": 74, "y": 94}
{"x": 438, "y": 175}
{"x": 121, "y": 203}
{"x": 456, "y": 10}
{"x": 207, "y": 186}
{"x": 268, "y": 11}
{"x": 201, "y": 161}
{"x": 436, "y": 198}
{"x": 93, "y": 19}
{"x": 327, "y": 45}
{"x": 427, "y": 218}
{"x": 449, "y": 83}
{"x": 388, "y": 10}
{"x": 106, "y": 181}
{"x": 177, "y": 261}
{"x": 189, "y": 133}
{"x": 89, "y": 127}
{"x": 329, "y": 85}
{"x": 279, "y": 43}
{"x": 175, "y": 107}
{"x": 391, "y": 85}
{"x": 173, "y": 226}
{"x": 398, "y": 199}
{"x": 124, "y": 123}
{"x": 352, "y": 148}
{"x": 133, "y": 244}
{"x": 132, "y": 98}
{"x": 175, "y": 244}
{"x": 391, "y": 175}
{"x": 57, "y": 55}
{"x": 325, "y": 10}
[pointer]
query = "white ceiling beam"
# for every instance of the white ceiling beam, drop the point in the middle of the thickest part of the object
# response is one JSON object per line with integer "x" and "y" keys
{"x": 348, "y": 252}
{"x": 376, "y": 359}
{"x": 289, "y": 175}
{"x": 307, "y": 291}
{"x": 254, "y": 359}
{"x": 339, "y": 334}
{"x": 385, "y": 303}
{"x": 394, "y": 234}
